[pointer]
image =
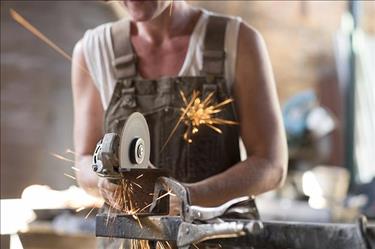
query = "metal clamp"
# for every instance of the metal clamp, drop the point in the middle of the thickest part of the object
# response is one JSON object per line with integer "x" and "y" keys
{"x": 168, "y": 184}
{"x": 237, "y": 206}
{"x": 204, "y": 223}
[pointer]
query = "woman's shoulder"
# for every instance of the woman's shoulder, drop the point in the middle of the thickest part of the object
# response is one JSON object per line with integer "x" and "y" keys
{"x": 230, "y": 18}
{"x": 96, "y": 42}
{"x": 234, "y": 22}
{"x": 96, "y": 47}
{"x": 97, "y": 33}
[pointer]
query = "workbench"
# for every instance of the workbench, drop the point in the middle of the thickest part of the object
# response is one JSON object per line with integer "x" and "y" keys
{"x": 280, "y": 235}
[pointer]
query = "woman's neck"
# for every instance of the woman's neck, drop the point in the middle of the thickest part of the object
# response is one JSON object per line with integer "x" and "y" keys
{"x": 169, "y": 23}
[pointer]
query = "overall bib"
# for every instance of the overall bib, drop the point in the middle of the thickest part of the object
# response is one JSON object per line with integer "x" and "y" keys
{"x": 160, "y": 102}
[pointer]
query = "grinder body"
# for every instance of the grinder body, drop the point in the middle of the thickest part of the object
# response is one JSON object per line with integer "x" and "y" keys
{"x": 126, "y": 157}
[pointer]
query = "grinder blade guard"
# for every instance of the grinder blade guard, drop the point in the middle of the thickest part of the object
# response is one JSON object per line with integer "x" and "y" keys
{"x": 114, "y": 154}
{"x": 127, "y": 157}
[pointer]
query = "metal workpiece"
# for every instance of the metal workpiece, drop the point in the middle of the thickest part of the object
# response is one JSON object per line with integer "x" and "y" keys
{"x": 143, "y": 197}
{"x": 274, "y": 235}
{"x": 160, "y": 228}
{"x": 164, "y": 184}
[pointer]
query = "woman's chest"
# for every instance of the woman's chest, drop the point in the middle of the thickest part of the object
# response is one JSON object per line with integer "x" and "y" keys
{"x": 165, "y": 59}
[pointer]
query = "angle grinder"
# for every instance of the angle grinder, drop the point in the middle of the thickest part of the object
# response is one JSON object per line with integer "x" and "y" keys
{"x": 126, "y": 156}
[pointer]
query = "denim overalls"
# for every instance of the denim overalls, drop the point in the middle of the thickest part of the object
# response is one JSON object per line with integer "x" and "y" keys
{"x": 160, "y": 102}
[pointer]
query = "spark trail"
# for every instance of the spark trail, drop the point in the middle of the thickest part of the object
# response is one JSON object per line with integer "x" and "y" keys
{"x": 32, "y": 29}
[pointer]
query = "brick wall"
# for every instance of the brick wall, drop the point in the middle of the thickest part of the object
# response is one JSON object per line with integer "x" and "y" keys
{"x": 298, "y": 36}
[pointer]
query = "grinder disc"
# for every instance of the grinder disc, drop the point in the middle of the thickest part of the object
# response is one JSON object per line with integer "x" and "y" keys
{"x": 134, "y": 151}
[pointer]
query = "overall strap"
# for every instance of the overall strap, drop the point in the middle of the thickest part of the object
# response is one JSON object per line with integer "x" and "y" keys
{"x": 214, "y": 46}
{"x": 124, "y": 62}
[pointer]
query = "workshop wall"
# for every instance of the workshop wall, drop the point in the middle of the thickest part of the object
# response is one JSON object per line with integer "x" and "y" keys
{"x": 298, "y": 34}
{"x": 36, "y": 101}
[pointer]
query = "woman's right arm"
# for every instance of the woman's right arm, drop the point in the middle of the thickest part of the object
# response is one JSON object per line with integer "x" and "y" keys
{"x": 88, "y": 120}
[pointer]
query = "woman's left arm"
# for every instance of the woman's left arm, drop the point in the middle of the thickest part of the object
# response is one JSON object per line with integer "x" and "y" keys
{"x": 261, "y": 129}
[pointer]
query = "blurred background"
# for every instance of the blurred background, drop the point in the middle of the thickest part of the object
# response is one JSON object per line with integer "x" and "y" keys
{"x": 323, "y": 55}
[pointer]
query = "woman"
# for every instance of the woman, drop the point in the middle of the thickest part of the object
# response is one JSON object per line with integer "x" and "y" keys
{"x": 146, "y": 62}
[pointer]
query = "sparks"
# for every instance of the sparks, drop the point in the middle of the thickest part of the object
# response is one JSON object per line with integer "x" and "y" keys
{"x": 70, "y": 152}
{"x": 136, "y": 184}
{"x": 75, "y": 169}
{"x": 61, "y": 157}
{"x": 163, "y": 245}
{"x": 24, "y": 23}
{"x": 124, "y": 202}
{"x": 197, "y": 113}
{"x": 108, "y": 217}
{"x": 124, "y": 199}
{"x": 80, "y": 209}
{"x": 139, "y": 244}
{"x": 28, "y": 26}
{"x": 138, "y": 220}
{"x": 188, "y": 106}
{"x": 88, "y": 214}
{"x": 160, "y": 197}
{"x": 70, "y": 176}
{"x": 202, "y": 113}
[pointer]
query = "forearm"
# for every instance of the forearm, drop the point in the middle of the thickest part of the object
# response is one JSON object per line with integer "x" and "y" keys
{"x": 86, "y": 177}
{"x": 88, "y": 120}
{"x": 250, "y": 177}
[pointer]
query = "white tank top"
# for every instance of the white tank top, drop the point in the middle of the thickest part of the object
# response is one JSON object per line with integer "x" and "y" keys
{"x": 98, "y": 53}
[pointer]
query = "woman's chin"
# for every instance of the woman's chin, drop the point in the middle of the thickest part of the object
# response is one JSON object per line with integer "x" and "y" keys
{"x": 141, "y": 17}
{"x": 142, "y": 11}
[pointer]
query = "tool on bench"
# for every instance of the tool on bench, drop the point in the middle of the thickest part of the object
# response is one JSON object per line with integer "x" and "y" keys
{"x": 206, "y": 223}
